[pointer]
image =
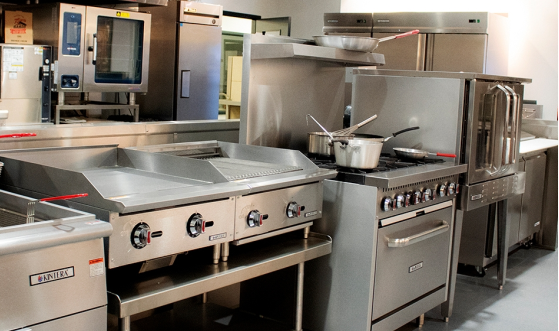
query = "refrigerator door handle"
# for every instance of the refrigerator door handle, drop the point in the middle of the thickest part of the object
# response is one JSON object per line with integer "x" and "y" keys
{"x": 185, "y": 84}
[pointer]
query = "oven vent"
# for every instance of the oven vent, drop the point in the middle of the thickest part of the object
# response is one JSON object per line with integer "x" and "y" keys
{"x": 440, "y": 179}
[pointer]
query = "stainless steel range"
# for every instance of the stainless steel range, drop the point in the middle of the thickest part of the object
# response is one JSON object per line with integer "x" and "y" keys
{"x": 161, "y": 204}
{"x": 392, "y": 261}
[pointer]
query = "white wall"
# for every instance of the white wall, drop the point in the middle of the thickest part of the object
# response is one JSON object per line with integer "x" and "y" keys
{"x": 534, "y": 30}
{"x": 533, "y": 43}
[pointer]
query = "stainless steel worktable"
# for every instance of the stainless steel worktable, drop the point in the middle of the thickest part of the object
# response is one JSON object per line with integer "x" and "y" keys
{"x": 131, "y": 293}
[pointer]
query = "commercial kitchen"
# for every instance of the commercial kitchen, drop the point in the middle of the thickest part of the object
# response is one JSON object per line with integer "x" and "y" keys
{"x": 320, "y": 166}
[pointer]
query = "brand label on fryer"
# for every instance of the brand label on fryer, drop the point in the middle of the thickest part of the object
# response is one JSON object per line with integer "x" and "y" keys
{"x": 416, "y": 267}
{"x": 51, "y": 276}
{"x": 218, "y": 236}
{"x": 96, "y": 267}
{"x": 311, "y": 213}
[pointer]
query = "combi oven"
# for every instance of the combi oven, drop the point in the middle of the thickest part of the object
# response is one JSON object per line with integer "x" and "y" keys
{"x": 95, "y": 49}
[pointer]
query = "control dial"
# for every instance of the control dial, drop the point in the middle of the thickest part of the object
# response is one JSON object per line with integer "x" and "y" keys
{"x": 441, "y": 190}
{"x": 141, "y": 235}
{"x": 196, "y": 225}
{"x": 426, "y": 195}
{"x": 386, "y": 204}
{"x": 254, "y": 218}
{"x": 294, "y": 210}
{"x": 451, "y": 188}
{"x": 400, "y": 201}
{"x": 416, "y": 197}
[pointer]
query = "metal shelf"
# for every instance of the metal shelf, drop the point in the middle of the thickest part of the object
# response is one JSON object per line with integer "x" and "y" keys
{"x": 130, "y": 293}
{"x": 312, "y": 52}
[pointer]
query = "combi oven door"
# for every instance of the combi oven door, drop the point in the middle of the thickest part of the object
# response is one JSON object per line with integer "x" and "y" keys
{"x": 493, "y": 133}
{"x": 117, "y": 50}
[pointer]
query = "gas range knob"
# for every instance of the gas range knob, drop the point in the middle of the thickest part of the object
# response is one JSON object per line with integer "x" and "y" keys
{"x": 141, "y": 236}
{"x": 416, "y": 197}
{"x": 426, "y": 195}
{"x": 386, "y": 204}
{"x": 441, "y": 190}
{"x": 196, "y": 225}
{"x": 400, "y": 201}
{"x": 451, "y": 188}
{"x": 255, "y": 218}
{"x": 294, "y": 210}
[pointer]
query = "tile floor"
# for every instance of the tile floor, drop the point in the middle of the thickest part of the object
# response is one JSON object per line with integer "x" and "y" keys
{"x": 527, "y": 302}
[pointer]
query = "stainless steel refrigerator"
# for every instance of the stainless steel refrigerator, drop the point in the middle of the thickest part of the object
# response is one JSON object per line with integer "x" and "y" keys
{"x": 448, "y": 41}
{"x": 185, "y": 58}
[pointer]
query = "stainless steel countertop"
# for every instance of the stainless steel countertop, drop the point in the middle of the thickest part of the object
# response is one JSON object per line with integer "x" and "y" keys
{"x": 439, "y": 74}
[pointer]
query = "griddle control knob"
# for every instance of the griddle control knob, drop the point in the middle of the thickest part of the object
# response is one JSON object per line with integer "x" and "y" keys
{"x": 416, "y": 197}
{"x": 426, "y": 195}
{"x": 196, "y": 225}
{"x": 294, "y": 210}
{"x": 400, "y": 201}
{"x": 254, "y": 218}
{"x": 451, "y": 188}
{"x": 386, "y": 204}
{"x": 441, "y": 190}
{"x": 141, "y": 236}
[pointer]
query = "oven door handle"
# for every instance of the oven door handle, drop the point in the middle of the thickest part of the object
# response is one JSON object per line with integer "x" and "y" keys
{"x": 414, "y": 239}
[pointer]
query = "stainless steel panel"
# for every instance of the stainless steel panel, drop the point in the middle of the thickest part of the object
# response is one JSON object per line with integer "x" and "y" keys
{"x": 400, "y": 270}
{"x": 20, "y": 72}
{"x": 200, "y": 13}
{"x": 89, "y": 69}
{"x": 474, "y": 235}
{"x": 432, "y": 22}
{"x": 274, "y": 205}
{"x": 482, "y": 194}
{"x": 402, "y": 102}
{"x": 533, "y": 196}
{"x": 339, "y": 287}
{"x": 547, "y": 237}
{"x": 91, "y": 320}
{"x": 443, "y": 74}
{"x": 198, "y": 53}
{"x": 283, "y": 80}
{"x": 24, "y": 305}
{"x": 173, "y": 224}
{"x": 459, "y": 52}
{"x": 402, "y": 53}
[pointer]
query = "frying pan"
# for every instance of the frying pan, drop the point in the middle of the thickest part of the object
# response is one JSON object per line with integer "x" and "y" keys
{"x": 417, "y": 154}
{"x": 353, "y": 43}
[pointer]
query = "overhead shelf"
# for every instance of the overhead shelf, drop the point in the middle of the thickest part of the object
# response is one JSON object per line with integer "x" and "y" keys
{"x": 260, "y": 51}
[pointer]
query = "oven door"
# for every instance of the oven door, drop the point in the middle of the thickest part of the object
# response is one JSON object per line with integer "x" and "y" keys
{"x": 413, "y": 258}
{"x": 493, "y": 133}
{"x": 117, "y": 51}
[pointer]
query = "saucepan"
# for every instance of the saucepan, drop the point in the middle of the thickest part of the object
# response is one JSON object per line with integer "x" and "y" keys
{"x": 353, "y": 43}
{"x": 357, "y": 153}
{"x": 321, "y": 142}
{"x": 417, "y": 154}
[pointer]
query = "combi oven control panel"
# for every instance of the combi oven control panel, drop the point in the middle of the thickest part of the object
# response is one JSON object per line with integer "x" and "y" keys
{"x": 481, "y": 194}
{"x": 401, "y": 199}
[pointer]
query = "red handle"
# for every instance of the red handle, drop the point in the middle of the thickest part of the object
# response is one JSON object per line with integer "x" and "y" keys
{"x": 65, "y": 197}
{"x": 409, "y": 33}
{"x": 18, "y": 135}
{"x": 446, "y": 155}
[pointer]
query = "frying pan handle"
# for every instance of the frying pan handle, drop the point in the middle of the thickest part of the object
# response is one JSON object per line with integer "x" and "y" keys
{"x": 65, "y": 197}
{"x": 446, "y": 155}
{"x": 405, "y": 130}
{"x": 18, "y": 135}
{"x": 409, "y": 33}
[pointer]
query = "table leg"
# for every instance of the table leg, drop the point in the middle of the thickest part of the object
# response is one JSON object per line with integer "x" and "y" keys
{"x": 299, "y": 307}
{"x": 124, "y": 323}
{"x": 502, "y": 242}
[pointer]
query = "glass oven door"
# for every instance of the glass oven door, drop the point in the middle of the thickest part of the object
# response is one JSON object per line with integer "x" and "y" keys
{"x": 493, "y": 130}
{"x": 117, "y": 57}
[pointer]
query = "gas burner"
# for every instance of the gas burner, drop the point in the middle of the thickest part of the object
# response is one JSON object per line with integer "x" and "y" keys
{"x": 387, "y": 162}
